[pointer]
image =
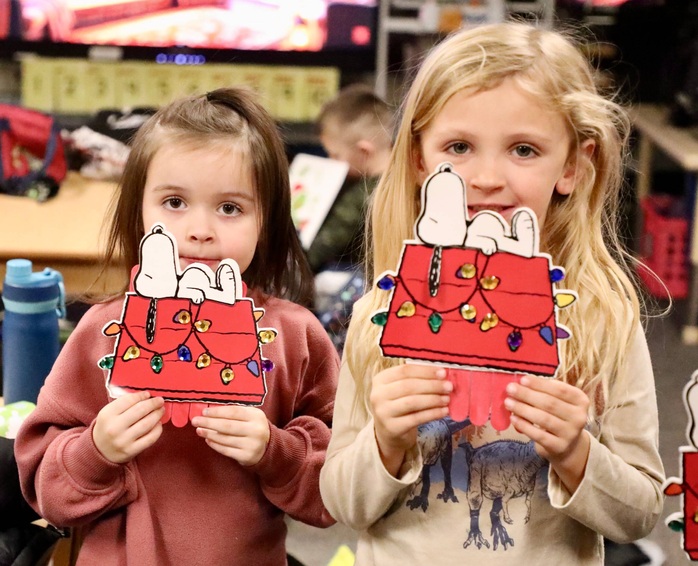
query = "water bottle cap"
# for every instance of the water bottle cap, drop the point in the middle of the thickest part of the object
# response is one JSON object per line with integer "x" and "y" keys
{"x": 18, "y": 270}
{"x": 29, "y": 292}
{"x": 19, "y": 274}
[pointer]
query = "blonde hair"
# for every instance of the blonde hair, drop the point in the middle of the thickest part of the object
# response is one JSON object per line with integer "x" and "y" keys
{"x": 580, "y": 231}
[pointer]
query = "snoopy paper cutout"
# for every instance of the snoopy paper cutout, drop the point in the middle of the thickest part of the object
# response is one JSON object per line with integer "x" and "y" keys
{"x": 188, "y": 336}
{"x": 474, "y": 293}
{"x": 686, "y": 521}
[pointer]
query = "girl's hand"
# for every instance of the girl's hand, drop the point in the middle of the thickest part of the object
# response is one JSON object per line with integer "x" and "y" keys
{"x": 402, "y": 398}
{"x": 241, "y": 433}
{"x": 553, "y": 414}
{"x": 128, "y": 425}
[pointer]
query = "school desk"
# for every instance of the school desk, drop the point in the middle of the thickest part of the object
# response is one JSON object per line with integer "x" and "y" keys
{"x": 66, "y": 233}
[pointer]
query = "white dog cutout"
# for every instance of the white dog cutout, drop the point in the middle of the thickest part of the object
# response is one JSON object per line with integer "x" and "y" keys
{"x": 444, "y": 220}
{"x": 159, "y": 273}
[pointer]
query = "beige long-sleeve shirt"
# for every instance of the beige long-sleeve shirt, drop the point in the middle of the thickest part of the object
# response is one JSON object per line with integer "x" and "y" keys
{"x": 472, "y": 495}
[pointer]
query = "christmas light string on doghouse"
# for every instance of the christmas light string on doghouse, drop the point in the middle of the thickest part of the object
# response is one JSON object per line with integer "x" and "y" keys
{"x": 198, "y": 327}
{"x": 484, "y": 284}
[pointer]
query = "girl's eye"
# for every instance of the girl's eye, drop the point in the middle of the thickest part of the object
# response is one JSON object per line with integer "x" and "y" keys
{"x": 174, "y": 203}
{"x": 524, "y": 151}
{"x": 459, "y": 147}
{"x": 230, "y": 209}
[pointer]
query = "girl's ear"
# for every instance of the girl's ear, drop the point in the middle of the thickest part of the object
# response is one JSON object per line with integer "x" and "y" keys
{"x": 565, "y": 184}
{"x": 418, "y": 163}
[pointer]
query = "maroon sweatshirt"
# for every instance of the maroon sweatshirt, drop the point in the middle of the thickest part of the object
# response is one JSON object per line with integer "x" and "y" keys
{"x": 180, "y": 502}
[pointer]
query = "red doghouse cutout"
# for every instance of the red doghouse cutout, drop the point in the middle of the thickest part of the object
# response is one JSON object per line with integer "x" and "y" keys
{"x": 686, "y": 521}
{"x": 190, "y": 351}
{"x": 474, "y": 295}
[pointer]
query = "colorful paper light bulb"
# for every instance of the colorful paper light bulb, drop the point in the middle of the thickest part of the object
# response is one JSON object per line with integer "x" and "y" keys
{"x": 203, "y": 361}
{"x": 227, "y": 375}
{"x": 435, "y": 321}
{"x": 563, "y": 300}
{"x": 380, "y": 318}
{"x": 490, "y": 282}
{"x": 267, "y": 336}
{"x": 202, "y": 325}
{"x": 386, "y": 283}
{"x": 131, "y": 353}
{"x": 406, "y": 309}
{"x": 466, "y": 271}
{"x": 490, "y": 321}
{"x": 514, "y": 340}
{"x": 557, "y": 274}
{"x": 112, "y": 330}
{"x": 184, "y": 353}
{"x": 468, "y": 312}
{"x": 156, "y": 363}
{"x": 183, "y": 317}
{"x": 253, "y": 367}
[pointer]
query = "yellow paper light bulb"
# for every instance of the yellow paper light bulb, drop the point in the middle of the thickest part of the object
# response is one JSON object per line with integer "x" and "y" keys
{"x": 203, "y": 361}
{"x": 468, "y": 312}
{"x": 468, "y": 271}
{"x": 490, "y": 282}
{"x": 406, "y": 309}
{"x": 563, "y": 300}
{"x": 267, "y": 336}
{"x": 490, "y": 321}
{"x": 202, "y": 325}
{"x": 183, "y": 317}
{"x": 227, "y": 375}
{"x": 131, "y": 353}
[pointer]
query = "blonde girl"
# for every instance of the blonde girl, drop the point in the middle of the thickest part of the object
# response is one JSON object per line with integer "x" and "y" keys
{"x": 517, "y": 111}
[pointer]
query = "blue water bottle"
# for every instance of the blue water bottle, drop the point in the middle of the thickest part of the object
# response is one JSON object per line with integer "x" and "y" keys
{"x": 33, "y": 304}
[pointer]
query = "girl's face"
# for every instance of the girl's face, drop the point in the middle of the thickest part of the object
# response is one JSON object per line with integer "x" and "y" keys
{"x": 509, "y": 149}
{"x": 206, "y": 198}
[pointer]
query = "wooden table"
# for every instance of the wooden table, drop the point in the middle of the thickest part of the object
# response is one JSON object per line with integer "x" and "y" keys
{"x": 681, "y": 145}
{"x": 66, "y": 233}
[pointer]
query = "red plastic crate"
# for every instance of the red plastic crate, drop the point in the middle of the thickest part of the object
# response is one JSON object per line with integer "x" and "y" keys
{"x": 664, "y": 247}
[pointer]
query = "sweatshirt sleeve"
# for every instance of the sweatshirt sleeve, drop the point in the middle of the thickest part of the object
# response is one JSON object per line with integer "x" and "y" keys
{"x": 63, "y": 475}
{"x": 355, "y": 486}
{"x": 620, "y": 495}
{"x": 290, "y": 468}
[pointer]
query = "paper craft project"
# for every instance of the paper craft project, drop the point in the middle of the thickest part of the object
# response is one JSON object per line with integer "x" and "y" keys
{"x": 315, "y": 184}
{"x": 686, "y": 521}
{"x": 188, "y": 336}
{"x": 475, "y": 295}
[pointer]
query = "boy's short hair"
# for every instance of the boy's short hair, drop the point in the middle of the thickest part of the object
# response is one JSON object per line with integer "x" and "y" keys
{"x": 359, "y": 112}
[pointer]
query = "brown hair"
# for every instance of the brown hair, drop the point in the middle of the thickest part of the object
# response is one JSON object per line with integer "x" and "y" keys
{"x": 230, "y": 115}
{"x": 358, "y": 105}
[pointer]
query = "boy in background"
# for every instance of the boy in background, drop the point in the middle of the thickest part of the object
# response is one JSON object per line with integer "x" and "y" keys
{"x": 356, "y": 127}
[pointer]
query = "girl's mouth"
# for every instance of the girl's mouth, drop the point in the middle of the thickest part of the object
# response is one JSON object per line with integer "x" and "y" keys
{"x": 185, "y": 262}
{"x": 488, "y": 207}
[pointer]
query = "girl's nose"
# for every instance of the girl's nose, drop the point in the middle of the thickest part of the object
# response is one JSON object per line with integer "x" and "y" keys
{"x": 485, "y": 175}
{"x": 200, "y": 230}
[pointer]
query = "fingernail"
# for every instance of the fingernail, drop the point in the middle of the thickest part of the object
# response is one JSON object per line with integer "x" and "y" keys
{"x": 509, "y": 403}
{"x": 511, "y": 388}
{"x": 205, "y": 412}
{"x": 525, "y": 381}
{"x": 441, "y": 373}
{"x": 445, "y": 399}
{"x": 448, "y": 386}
